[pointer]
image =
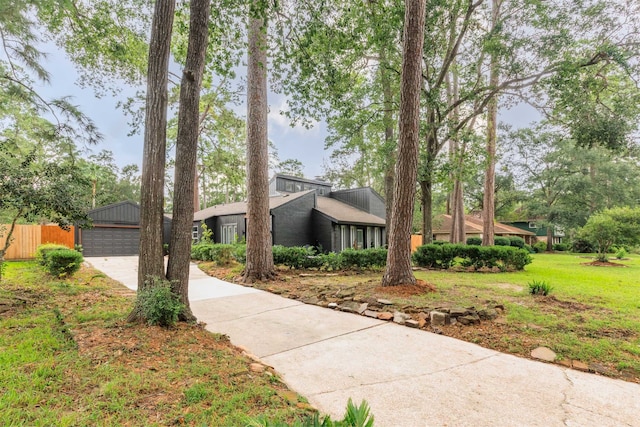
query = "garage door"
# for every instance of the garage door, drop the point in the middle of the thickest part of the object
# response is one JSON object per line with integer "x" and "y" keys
{"x": 110, "y": 241}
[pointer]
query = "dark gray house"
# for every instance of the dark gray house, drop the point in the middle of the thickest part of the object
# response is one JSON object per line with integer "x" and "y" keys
{"x": 115, "y": 232}
{"x": 305, "y": 212}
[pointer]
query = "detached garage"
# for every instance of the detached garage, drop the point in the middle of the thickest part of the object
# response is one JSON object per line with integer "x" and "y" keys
{"x": 115, "y": 232}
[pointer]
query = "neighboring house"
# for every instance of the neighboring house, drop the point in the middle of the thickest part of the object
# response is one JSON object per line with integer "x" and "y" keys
{"x": 473, "y": 228}
{"x": 305, "y": 212}
{"x": 539, "y": 230}
{"x": 115, "y": 232}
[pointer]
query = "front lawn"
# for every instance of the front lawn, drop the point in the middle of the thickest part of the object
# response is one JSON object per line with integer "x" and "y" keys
{"x": 591, "y": 316}
{"x": 68, "y": 359}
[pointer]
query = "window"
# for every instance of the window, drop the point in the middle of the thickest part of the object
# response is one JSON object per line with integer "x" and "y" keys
{"x": 195, "y": 233}
{"x": 288, "y": 186}
{"x": 354, "y": 239}
{"x": 344, "y": 237}
{"x": 376, "y": 237}
{"x": 369, "y": 242}
{"x": 359, "y": 238}
{"x": 229, "y": 233}
{"x": 533, "y": 225}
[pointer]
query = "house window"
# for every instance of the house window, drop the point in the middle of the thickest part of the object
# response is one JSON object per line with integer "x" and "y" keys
{"x": 229, "y": 233}
{"x": 321, "y": 191}
{"x": 359, "y": 238}
{"x": 288, "y": 186}
{"x": 353, "y": 240}
{"x": 195, "y": 233}
{"x": 376, "y": 237}
{"x": 533, "y": 225}
{"x": 344, "y": 237}
{"x": 369, "y": 241}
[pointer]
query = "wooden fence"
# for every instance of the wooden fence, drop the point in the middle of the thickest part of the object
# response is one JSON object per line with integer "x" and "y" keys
{"x": 27, "y": 238}
{"x": 416, "y": 240}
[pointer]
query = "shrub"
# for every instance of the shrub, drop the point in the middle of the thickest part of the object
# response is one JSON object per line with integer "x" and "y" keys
{"x": 364, "y": 258}
{"x": 42, "y": 250}
{"x": 240, "y": 253}
{"x": 582, "y": 246}
{"x": 445, "y": 256}
{"x": 62, "y": 262}
{"x": 621, "y": 253}
{"x": 529, "y": 248}
{"x": 516, "y": 241}
{"x": 561, "y": 247}
{"x": 295, "y": 257}
{"x": 159, "y": 305}
{"x": 540, "y": 247}
{"x": 474, "y": 241}
{"x": 501, "y": 241}
{"x": 540, "y": 287}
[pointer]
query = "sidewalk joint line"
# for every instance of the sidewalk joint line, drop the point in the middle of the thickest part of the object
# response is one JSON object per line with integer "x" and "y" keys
{"x": 325, "y": 339}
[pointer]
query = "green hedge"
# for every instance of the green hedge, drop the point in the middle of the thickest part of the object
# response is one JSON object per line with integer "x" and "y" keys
{"x": 501, "y": 241}
{"x": 63, "y": 262}
{"x": 221, "y": 254}
{"x": 446, "y": 256}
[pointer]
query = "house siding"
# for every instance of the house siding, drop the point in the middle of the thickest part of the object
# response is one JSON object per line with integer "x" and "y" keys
{"x": 324, "y": 232}
{"x": 217, "y": 223}
{"x": 362, "y": 198}
{"x": 292, "y": 222}
{"x": 279, "y": 185}
{"x": 121, "y": 213}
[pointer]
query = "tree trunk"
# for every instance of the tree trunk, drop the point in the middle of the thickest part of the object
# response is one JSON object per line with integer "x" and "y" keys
{"x": 398, "y": 270}
{"x": 389, "y": 141}
{"x": 427, "y": 210}
{"x": 488, "y": 203}
{"x": 259, "y": 265}
{"x": 549, "y": 237}
{"x": 186, "y": 155}
{"x": 151, "y": 259}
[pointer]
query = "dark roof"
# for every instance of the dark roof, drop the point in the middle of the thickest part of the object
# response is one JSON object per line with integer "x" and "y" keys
{"x": 473, "y": 225}
{"x": 297, "y": 178}
{"x": 343, "y": 213}
{"x": 240, "y": 208}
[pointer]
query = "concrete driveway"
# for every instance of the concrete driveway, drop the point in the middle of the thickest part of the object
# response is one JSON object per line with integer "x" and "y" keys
{"x": 409, "y": 377}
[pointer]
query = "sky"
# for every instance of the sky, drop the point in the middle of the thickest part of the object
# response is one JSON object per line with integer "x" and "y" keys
{"x": 305, "y": 145}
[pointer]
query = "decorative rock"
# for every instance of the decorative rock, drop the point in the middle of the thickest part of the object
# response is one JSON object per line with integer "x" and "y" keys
{"x": 458, "y": 311}
{"x": 370, "y": 313}
{"x": 257, "y": 368}
{"x": 332, "y": 305}
{"x": 439, "y": 318}
{"x": 422, "y": 323}
{"x": 411, "y": 323}
{"x": 488, "y": 314}
{"x": 468, "y": 320}
{"x": 346, "y": 309}
{"x": 564, "y": 362}
{"x": 437, "y": 331}
{"x": 363, "y": 307}
{"x": 544, "y": 353}
{"x": 599, "y": 369}
{"x": 400, "y": 318}
{"x": 422, "y": 315}
{"x": 385, "y": 315}
{"x": 342, "y": 293}
{"x": 580, "y": 366}
{"x": 311, "y": 300}
{"x": 385, "y": 301}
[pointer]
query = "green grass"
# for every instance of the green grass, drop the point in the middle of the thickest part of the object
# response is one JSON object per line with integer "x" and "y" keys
{"x": 68, "y": 359}
{"x": 593, "y": 314}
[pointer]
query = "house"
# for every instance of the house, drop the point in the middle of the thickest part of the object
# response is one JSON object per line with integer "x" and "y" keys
{"x": 115, "y": 232}
{"x": 305, "y": 212}
{"x": 539, "y": 230}
{"x": 473, "y": 228}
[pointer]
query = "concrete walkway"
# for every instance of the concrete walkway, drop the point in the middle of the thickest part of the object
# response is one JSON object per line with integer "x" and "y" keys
{"x": 409, "y": 377}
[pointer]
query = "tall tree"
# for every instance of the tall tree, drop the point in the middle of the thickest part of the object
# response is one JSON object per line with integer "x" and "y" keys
{"x": 151, "y": 259}
{"x": 398, "y": 270}
{"x": 186, "y": 151}
{"x": 259, "y": 265}
{"x": 488, "y": 205}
